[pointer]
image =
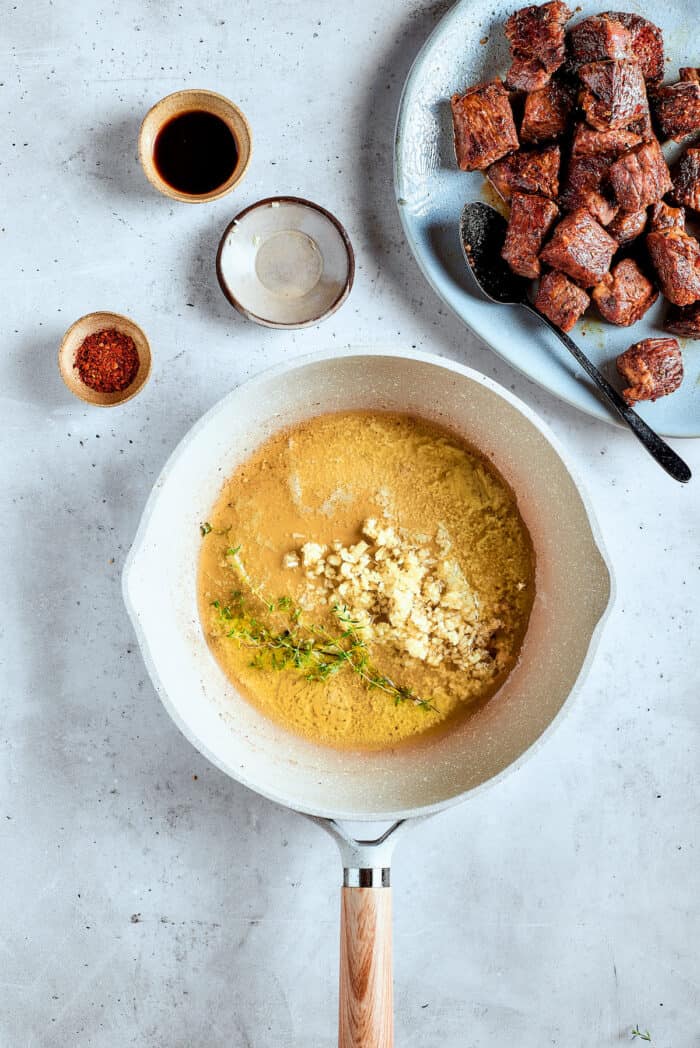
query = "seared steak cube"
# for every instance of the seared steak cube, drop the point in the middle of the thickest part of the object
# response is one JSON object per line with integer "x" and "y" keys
{"x": 484, "y": 128}
{"x": 527, "y": 74}
{"x": 689, "y": 74}
{"x": 561, "y": 300}
{"x": 531, "y": 218}
{"x": 624, "y": 294}
{"x": 615, "y": 93}
{"x": 686, "y": 179}
{"x": 537, "y": 44}
{"x": 676, "y": 259}
{"x": 587, "y": 141}
{"x": 640, "y": 177}
{"x": 644, "y": 127}
{"x": 647, "y": 43}
{"x": 627, "y": 226}
{"x": 584, "y": 186}
{"x": 653, "y": 368}
{"x": 581, "y": 248}
{"x": 546, "y": 113}
{"x": 529, "y": 171}
{"x": 676, "y": 109}
{"x": 662, "y": 216}
{"x": 684, "y": 320}
{"x": 600, "y": 37}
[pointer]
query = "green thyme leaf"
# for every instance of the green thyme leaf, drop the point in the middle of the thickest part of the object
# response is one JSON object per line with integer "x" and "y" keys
{"x": 205, "y": 528}
{"x": 283, "y": 640}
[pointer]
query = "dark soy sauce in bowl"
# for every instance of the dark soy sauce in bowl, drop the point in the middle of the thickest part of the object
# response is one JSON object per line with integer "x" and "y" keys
{"x": 195, "y": 152}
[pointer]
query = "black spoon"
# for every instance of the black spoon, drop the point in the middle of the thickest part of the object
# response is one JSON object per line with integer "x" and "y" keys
{"x": 482, "y": 231}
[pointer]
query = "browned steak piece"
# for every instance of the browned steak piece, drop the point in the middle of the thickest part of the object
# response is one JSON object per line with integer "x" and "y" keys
{"x": 647, "y": 43}
{"x": 644, "y": 127}
{"x": 640, "y": 177}
{"x": 546, "y": 113}
{"x": 585, "y": 183}
{"x": 615, "y": 93}
{"x": 537, "y": 44}
{"x": 529, "y": 171}
{"x": 581, "y": 248}
{"x": 686, "y": 179}
{"x": 676, "y": 109}
{"x": 531, "y": 218}
{"x": 624, "y": 294}
{"x": 676, "y": 259}
{"x": 589, "y": 142}
{"x": 526, "y": 74}
{"x": 684, "y": 320}
{"x": 584, "y": 186}
{"x": 484, "y": 128}
{"x": 561, "y": 300}
{"x": 600, "y": 37}
{"x": 653, "y": 368}
{"x": 689, "y": 74}
{"x": 662, "y": 216}
{"x": 627, "y": 226}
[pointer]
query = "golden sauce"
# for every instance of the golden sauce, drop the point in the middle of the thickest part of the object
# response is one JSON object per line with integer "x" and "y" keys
{"x": 319, "y": 481}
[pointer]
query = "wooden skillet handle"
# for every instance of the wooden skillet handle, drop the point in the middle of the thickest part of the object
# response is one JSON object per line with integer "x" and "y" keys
{"x": 366, "y": 1016}
{"x": 366, "y": 1012}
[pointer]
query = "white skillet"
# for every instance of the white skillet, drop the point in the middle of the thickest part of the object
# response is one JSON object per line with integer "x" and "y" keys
{"x": 573, "y": 594}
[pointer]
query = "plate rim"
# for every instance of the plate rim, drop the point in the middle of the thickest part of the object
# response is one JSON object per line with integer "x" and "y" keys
{"x": 596, "y": 410}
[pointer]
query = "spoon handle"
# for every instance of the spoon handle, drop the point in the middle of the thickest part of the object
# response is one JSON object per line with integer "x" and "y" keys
{"x": 657, "y": 448}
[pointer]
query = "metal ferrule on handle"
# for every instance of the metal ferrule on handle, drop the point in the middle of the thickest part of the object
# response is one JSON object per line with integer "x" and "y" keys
{"x": 367, "y": 877}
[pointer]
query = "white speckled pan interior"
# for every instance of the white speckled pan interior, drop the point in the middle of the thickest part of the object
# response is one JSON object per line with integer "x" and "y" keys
{"x": 431, "y": 192}
{"x": 573, "y": 587}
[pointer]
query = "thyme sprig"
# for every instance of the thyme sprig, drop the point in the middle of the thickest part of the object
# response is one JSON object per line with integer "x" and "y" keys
{"x": 636, "y": 1032}
{"x": 206, "y": 529}
{"x": 283, "y": 640}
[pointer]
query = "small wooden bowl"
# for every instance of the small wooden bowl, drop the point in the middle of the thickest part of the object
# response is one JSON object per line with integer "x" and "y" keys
{"x": 185, "y": 102}
{"x": 74, "y": 338}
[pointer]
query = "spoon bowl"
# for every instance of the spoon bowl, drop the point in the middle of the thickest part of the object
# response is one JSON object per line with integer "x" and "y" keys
{"x": 482, "y": 231}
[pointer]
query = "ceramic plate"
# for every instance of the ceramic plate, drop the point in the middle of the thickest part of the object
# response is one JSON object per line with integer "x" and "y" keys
{"x": 467, "y": 46}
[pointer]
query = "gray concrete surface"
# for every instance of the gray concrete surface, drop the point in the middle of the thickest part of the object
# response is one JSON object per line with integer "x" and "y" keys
{"x": 145, "y": 899}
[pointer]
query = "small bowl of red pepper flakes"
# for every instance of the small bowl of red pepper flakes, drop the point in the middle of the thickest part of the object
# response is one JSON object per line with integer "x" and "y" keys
{"x": 104, "y": 359}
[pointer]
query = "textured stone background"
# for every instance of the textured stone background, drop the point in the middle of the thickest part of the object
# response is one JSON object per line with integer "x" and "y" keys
{"x": 146, "y": 899}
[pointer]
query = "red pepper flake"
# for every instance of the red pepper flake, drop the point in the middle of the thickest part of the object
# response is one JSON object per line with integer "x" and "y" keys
{"x": 107, "y": 361}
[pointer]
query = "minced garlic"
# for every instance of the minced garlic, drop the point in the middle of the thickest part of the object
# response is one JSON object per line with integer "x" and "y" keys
{"x": 401, "y": 589}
